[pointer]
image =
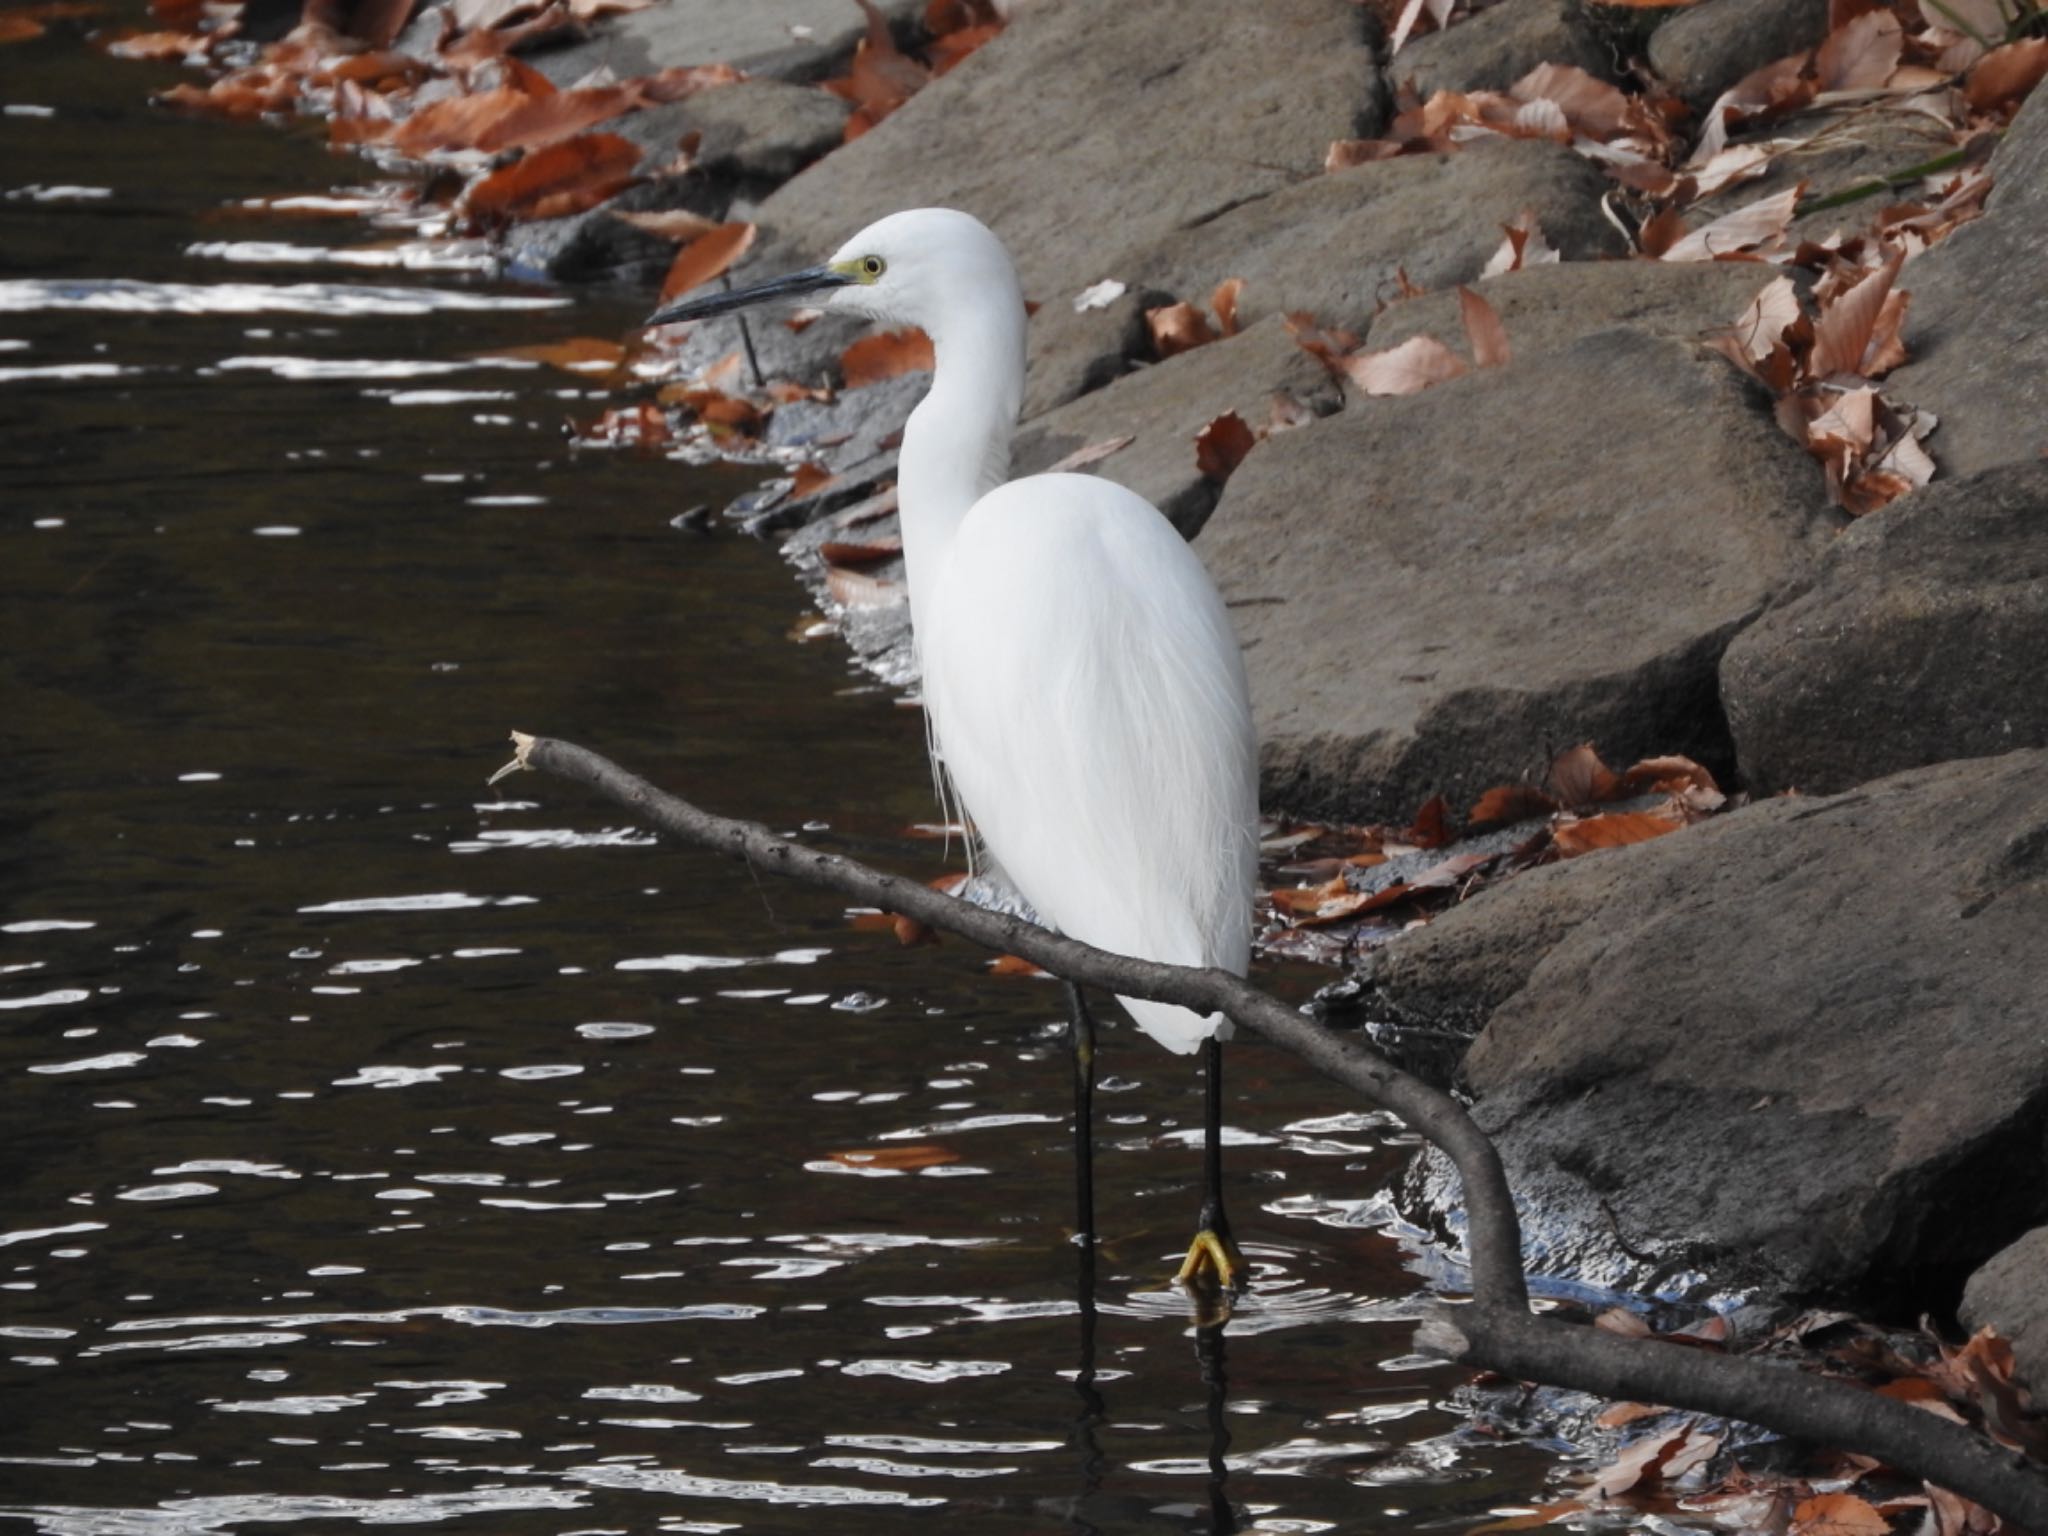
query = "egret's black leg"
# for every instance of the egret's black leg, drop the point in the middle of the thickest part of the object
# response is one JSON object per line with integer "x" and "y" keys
{"x": 1081, "y": 1027}
{"x": 1213, "y": 1253}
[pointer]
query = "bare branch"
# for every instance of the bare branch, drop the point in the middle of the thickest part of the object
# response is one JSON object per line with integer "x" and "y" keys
{"x": 1497, "y": 1330}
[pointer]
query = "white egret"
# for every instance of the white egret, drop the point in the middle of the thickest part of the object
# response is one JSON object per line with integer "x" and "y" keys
{"x": 1083, "y": 689}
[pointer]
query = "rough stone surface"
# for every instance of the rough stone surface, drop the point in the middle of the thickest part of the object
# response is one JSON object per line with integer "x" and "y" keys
{"x": 1802, "y": 1046}
{"x": 1978, "y": 328}
{"x": 1708, "y": 47}
{"x": 785, "y": 39}
{"x": 1493, "y": 49}
{"x": 1521, "y": 559}
{"x": 1550, "y": 306}
{"x": 2010, "y": 1293}
{"x": 1921, "y": 639}
{"x": 1332, "y": 244}
{"x": 1162, "y": 407}
{"x": 759, "y": 132}
{"x": 1073, "y": 351}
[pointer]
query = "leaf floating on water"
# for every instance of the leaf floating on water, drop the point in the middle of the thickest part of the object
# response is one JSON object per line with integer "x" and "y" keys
{"x": 921, "y": 1155}
{"x": 587, "y": 356}
{"x": 886, "y": 355}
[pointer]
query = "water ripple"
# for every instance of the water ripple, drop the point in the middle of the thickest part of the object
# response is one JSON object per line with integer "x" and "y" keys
{"x": 134, "y": 297}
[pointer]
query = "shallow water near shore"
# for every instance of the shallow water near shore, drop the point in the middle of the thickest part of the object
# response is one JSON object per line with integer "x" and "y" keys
{"x": 383, "y": 1149}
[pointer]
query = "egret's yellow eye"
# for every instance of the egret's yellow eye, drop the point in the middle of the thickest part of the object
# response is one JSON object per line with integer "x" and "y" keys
{"x": 872, "y": 267}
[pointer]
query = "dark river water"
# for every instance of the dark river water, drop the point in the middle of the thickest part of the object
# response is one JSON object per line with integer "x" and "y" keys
{"x": 380, "y": 1149}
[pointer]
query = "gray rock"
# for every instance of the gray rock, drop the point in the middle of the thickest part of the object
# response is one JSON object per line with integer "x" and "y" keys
{"x": 1332, "y": 245}
{"x": 1550, "y": 306}
{"x": 2010, "y": 1293}
{"x": 1162, "y": 407}
{"x": 1978, "y": 326}
{"x": 1161, "y": 122}
{"x": 1439, "y": 592}
{"x": 1073, "y": 351}
{"x": 1920, "y": 640}
{"x": 1493, "y": 49}
{"x": 1803, "y": 1046}
{"x": 786, "y": 39}
{"x": 759, "y": 133}
{"x": 1708, "y": 47}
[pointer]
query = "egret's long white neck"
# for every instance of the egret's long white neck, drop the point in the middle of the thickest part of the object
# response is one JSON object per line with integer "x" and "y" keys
{"x": 956, "y": 445}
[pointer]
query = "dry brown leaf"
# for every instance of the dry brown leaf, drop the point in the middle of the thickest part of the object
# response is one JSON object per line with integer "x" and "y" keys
{"x": 1013, "y": 965}
{"x": 1177, "y": 328}
{"x": 1613, "y": 829}
{"x": 555, "y": 180}
{"x": 1761, "y": 224}
{"x": 923, "y": 1155}
{"x": 2004, "y": 76}
{"x": 1224, "y": 302}
{"x": 856, "y": 589}
{"x": 846, "y": 553}
{"x": 585, "y": 355}
{"x": 1845, "y": 332}
{"x": 1221, "y": 446}
{"x": 706, "y": 257}
{"x": 1621, "y": 1414}
{"x": 886, "y": 355}
{"x": 1489, "y": 338}
{"x": 1578, "y": 777}
{"x": 1590, "y": 105}
{"x": 1640, "y": 1461}
{"x": 670, "y": 223}
{"x": 1510, "y": 802}
{"x": 948, "y": 50}
{"x": 1861, "y": 54}
{"x": 1408, "y": 369}
{"x": 1838, "y": 1514}
{"x": 506, "y": 118}
{"x": 881, "y": 77}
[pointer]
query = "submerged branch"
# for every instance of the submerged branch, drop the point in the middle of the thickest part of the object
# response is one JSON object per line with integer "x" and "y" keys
{"x": 1497, "y": 1330}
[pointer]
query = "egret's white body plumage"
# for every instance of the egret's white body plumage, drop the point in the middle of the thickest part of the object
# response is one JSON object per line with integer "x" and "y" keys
{"x": 1084, "y": 689}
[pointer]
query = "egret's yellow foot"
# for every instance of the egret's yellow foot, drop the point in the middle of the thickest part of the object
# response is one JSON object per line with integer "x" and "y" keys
{"x": 1213, "y": 1258}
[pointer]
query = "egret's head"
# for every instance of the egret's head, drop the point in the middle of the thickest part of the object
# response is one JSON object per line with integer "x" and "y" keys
{"x": 912, "y": 268}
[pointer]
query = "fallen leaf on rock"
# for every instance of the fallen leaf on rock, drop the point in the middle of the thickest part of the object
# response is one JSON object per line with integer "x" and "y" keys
{"x": 1177, "y": 328}
{"x": 1838, "y": 1514}
{"x": 843, "y": 552}
{"x": 680, "y": 80}
{"x": 244, "y": 94}
{"x": 669, "y": 223}
{"x": 1861, "y": 54}
{"x": 881, "y": 78}
{"x": 555, "y": 180}
{"x": 1760, "y": 225}
{"x": 1224, "y": 302}
{"x": 810, "y": 477}
{"x": 1408, "y": 369}
{"x": 2004, "y": 76}
{"x": 924, "y": 1155}
{"x": 1489, "y": 338}
{"x": 1848, "y": 328}
{"x": 706, "y": 257}
{"x": 886, "y": 355}
{"x": 1578, "y": 777}
{"x": 509, "y": 118}
{"x": 947, "y": 51}
{"x": 1523, "y": 246}
{"x": 1510, "y": 802}
{"x": 1221, "y": 446}
{"x": 1432, "y": 825}
{"x": 1613, "y": 829}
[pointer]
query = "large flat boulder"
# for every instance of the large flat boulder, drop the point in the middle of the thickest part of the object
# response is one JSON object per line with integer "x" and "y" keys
{"x": 782, "y": 39}
{"x": 1803, "y": 1046}
{"x": 1921, "y": 639}
{"x": 1438, "y": 592}
{"x": 2010, "y": 1294}
{"x": 1163, "y": 407}
{"x": 1978, "y": 326}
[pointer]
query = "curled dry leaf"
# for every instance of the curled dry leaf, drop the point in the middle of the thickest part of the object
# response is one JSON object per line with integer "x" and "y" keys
{"x": 1848, "y": 328}
{"x": 1489, "y": 338}
{"x": 556, "y": 180}
{"x": 1509, "y": 803}
{"x": 1222, "y": 445}
{"x": 885, "y": 355}
{"x": 1177, "y": 328}
{"x": 508, "y": 118}
{"x": 1760, "y": 225}
{"x": 1838, "y": 1514}
{"x": 707, "y": 256}
{"x": 1014, "y": 965}
{"x": 1861, "y": 54}
{"x": 1578, "y": 777}
{"x": 846, "y": 553}
{"x": 1523, "y": 246}
{"x": 1224, "y": 302}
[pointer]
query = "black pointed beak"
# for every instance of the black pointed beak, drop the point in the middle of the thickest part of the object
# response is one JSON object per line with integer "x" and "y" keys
{"x": 795, "y": 284}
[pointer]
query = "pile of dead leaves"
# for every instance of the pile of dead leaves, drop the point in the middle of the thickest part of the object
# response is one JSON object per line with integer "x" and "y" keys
{"x": 1682, "y": 1470}
{"x": 882, "y": 76}
{"x": 1338, "y": 878}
